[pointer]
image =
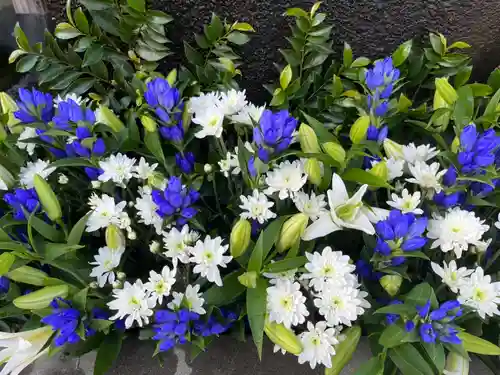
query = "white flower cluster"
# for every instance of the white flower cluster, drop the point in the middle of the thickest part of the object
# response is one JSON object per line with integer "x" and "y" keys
{"x": 336, "y": 294}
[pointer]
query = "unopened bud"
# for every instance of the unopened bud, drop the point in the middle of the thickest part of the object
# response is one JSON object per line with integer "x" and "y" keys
{"x": 313, "y": 170}
{"x": 248, "y": 279}
{"x": 62, "y": 179}
{"x": 117, "y": 284}
{"x": 131, "y": 235}
{"x": 154, "y": 247}
{"x": 93, "y": 285}
{"x": 208, "y": 168}
{"x": 335, "y": 151}
{"x": 47, "y": 198}
{"x": 380, "y": 170}
{"x": 283, "y": 337}
{"x": 3, "y": 133}
{"x": 357, "y": 134}
{"x": 121, "y": 276}
{"x": 308, "y": 139}
{"x": 96, "y": 184}
{"x": 393, "y": 149}
{"x": 114, "y": 238}
{"x": 156, "y": 180}
{"x": 291, "y": 231}
{"x": 445, "y": 90}
{"x": 391, "y": 284}
{"x": 172, "y": 77}
{"x": 107, "y": 117}
{"x": 149, "y": 124}
{"x": 455, "y": 145}
{"x": 456, "y": 364}
{"x": 240, "y": 237}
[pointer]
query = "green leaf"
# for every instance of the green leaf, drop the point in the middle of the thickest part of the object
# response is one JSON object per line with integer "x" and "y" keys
{"x": 256, "y": 259}
{"x": 402, "y": 52}
{"x": 215, "y": 30}
{"x": 138, "y": 5}
{"x": 21, "y": 39}
{"x": 492, "y": 104}
{"x": 71, "y": 162}
{"x": 108, "y": 352}
{"x": 150, "y": 54}
{"x": 493, "y": 79}
{"x": 285, "y": 264}
{"x": 77, "y": 231}
{"x": 480, "y": 89}
{"x": 403, "y": 103}
{"x": 409, "y": 361}
{"x": 153, "y": 144}
{"x": 193, "y": 56}
{"x": 363, "y": 177}
{"x": 256, "y": 312}
{"x": 464, "y": 107}
{"x": 463, "y": 76}
{"x": 420, "y": 294}
{"x": 26, "y": 63}
{"x": 266, "y": 241}
{"x": 81, "y": 21}
{"x": 82, "y": 85}
{"x": 460, "y": 45}
{"x": 314, "y": 59}
{"x": 402, "y": 309}
{"x": 11, "y": 245}
{"x": 14, "y": 55}
{"x": 296, "y": 12}
{"x": 93, "y": 55}
{"x": 375, "y": 366}
{"x": 6, "y": 261}
{"x": 392, "y": 336}
{"x": 285, "y": 77}
{"x": 80, "y": 299}
{"x": 52, "y": 251}
{"x": 225, "y": 294}
{"x": 66, "y": 80}
{"x": 474, "y": 344}
{"x": 243, "y": 26}
{"x": 437, "y": 44}
{"x": 436, "y": 354}
{"x": 238, "y": 38}
{"x": 46, "y": 230}
{"x": 344, "y": 350}
{"x": 413, "y": 254}
{"x": 66, "y": 31}
{"x": 347, "y": 56}
{"x": 360, "y": 62}
{"x": 321, "y": 131}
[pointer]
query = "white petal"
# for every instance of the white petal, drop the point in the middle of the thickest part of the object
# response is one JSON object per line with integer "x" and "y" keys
{"x": 337, "y": 195}
{"x": 320, "y": 228}
{"x": 356, "y": 198}
{"x": 361, "y": 223}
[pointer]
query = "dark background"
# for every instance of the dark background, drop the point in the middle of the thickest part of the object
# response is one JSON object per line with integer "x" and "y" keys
{"x": 373, "y": 28}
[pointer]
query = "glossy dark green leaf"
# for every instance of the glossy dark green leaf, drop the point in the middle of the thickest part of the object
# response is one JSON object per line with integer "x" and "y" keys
{"x": 71, "y": 162}
{"x": 153, "y": 144}
{"x": 93, "y": 55}
{"x": 347, "y": 56}
{"x": 21, "y": 38}
{"x": 464, "y": 107}
{"x": 256, "y": 312}
{"x": 360, "y": 62}
{"x": 46, "y": 230}
{"x": 193, "y": 56}
{"x": 138, "y": 5}
{"x": 238, "y": 38}
{"x": 82, "y": 85}
{"x": 392, "y": 336}
{"x": 420, "y": 294}
{"x": 225, "y": 294}
{"x": 26, "y": 63}
{"x": 363, "y": 177}
{"x": 285, "y": 264}
{"x": 409, "y": 361}
{"x": 435, "y": 352}
{"x": 402, "y": 52}
{"x": 80, "y": 299}
{"x": 100, "y": 70}
{"x": 76, "y": 233}
{"x": 296, "y": 12}
{"x": 437, "y": 44}
{"x": 81, "y": 21}
{"x": 314, "y": 59}
{"x": 108, "y": 352}
{"x": 462, "y": 76}
{"x": 52, "y": 251}
{"x": 492, "y": 104}
{"x": 401, "y": 309}
{"x": 66, "y": 31}
{"x": 375, "y": 366}
{"x": 480, "y": 89}
{"x": 494, "y": 79}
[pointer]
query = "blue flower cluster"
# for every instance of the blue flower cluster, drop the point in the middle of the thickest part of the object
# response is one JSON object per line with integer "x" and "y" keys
{"x": 166, "y": 101}
{"x": 477, "y": 151}
{"x": 20, "y": 200}
{"x": 274, "y": 133}
{"x": 400, "y": 232}
{"x": 365, "y": 270}
{"x": 4, "y": 284}
{"x": 450, "y": 199}
{"x": 70, "y": 113}
{"x": 64, "y": 319}
{"x": 93, "y": 173}
{"x": 185, "y": 161}
{"x": 380, "y": 81}
{"x": 176, "y": 327}
{"x": 377, "y": 135}
{"x": 176, "y": 200}
{"x": 34, "y": 106}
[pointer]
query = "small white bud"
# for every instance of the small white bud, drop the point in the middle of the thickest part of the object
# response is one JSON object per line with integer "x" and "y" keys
{"x": 121, "y": 276}
{"x": 96, "y": 184}
{"x": 117, "y": 284}
{"x": 131, "y": 204}
{"x": 63, "y": 179}
{"x": 154, "y": 247}
{"x": 131, "y": 235}
{"x": 93, "y": 285}
{"x": 208, "y": 168}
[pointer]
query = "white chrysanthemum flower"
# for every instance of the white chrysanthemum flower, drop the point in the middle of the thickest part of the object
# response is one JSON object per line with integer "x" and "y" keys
{"x": 211, "y": 121}
{"x": 209, "y": 256}
{"x": 39, "y": 167}
{"x": 287, "y": 179}
{"x": 133, "y": 303}
{"x": 178, "y": 244}
{"x": 26, "y": 134}
{"x": 256, "y": 207}
{"x": 318, "y": 345}
{"x": 118, "y": 168}
{"x": 248, "y": 115}
{"x": 144, "y": 170}
{"x": 286, "y": 303}
{"x": 341, "y": 304}
{"x": 276, "y": 277}
{"x": 76, "y": 98}
{"x": 146, "y": 209}
{"x": 312, "y": 205}
{"x": 106, "y": 262}
{"x": 106, "y": 212}
{"x": 230, "y": 164}
{"x": 344, "y": 212}
{"x": 407, "y": 203}
{"x": 232, "y": 101}
{"x": 394, "y": 167}
{"x": 481, "y": 294}
{"x": 159, "y": 285}
{"x": 427, "y": 176}
{"x": 413, "y": 154}
{"x": 328, "y": 267}
{"x": 452, "y": 276}
{"x": 456, "y": 231}
{"x": 201, "y": 103}
{"x": 62, "y": 179}
{"x": 192, "y": 297}
{"x": 154, "y": 247}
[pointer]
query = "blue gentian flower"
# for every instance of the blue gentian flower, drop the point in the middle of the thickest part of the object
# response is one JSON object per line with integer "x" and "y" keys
{"x": 26, "y": 199}
{"x": 251, "y": 167}
{"x": 168, "y": 106}
{"x": 377, "y": 135}
{"x": 477, "y": 151}
{"x": 423, "y": 311}
{"x": 70, "y": 113}
{"x": 365, "y": 270}
{"x": 64, "y": 319}
{"x": 172, "y": 327}
{"x": 213, "y": 326}
{"x": 176, "y": 200}
{"x": 450, "y": 177}
{"x": 400, "y": 231}
{"x": 409, "y": 326}
{"x": 93, "y": 173}
{"x": 393, "y": 318}
{"x": 449, "y": 200}
{"x": 34, "y": 106}
{"x": 381, "y": 109}
{"x": 450, "y": 335}
{"x": 382, "y": 76}
{"x": 427, "y": 333}
{"x": 274, "y": 133}
{"x": 185, "y": 161}
{"x": 4, "y": 284}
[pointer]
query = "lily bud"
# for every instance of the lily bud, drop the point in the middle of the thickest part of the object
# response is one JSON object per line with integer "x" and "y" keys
{"x": 28, "y": 275}
{"x": 240, "y": 238}
{"x": 445, "y": 90}
{"x": 455, "y": 145}
{"x": 156, "y": 180}
{"x": 345, "y": 349}
{"x": 335, "y": 151}
{"x": 3, "y": 133}
{"x": 291, "y": 231}
{"x": 393, "y": 149}
{"x": 391, "y": 284}
{"x": 283, "y": 337}
{"x": 248, "y": 279}
{"x": 114, "y": 238}
{"x": 358, "y": 130}
{"x": 41, "y": 298}
{"x": 6, "y": 178}
{"x": 313, "y": 170}
{"x": 9, "y": 106}
{"x": 148, "y": 123}
{"x": 308, "y": 139}
{"x": 107, "y": 117}
{"x": 47, "y": 198}
{"x": 456, "y": 364}
{"x": 172, "y": 77}
{"x": 380, "y": 170}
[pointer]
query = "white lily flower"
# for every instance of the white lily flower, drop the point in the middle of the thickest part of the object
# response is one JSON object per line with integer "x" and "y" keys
{"x": 344, "y": 212}
{"x": 22, "y": 348}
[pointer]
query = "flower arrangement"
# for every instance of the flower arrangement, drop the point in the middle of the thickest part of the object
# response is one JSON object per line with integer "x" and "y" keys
{"x": 171, "y": 205}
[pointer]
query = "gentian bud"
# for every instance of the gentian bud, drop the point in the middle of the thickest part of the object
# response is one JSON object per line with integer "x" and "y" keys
{"x": 114, "y": 237}
{"x": 291, "y": 231}
{"x": 358, "y": 130}
{"x": 240, "y": 237}
{"x": 47, "y": 198}
{"x": 313, "y": 171}
{"x": 117, "y": 284}
{"x": 308, "y": 139}
{"x": 455, "y": 145}
{"x": 93, "y": 285}
{"x": 283, "y": 337}
{"x": 154, "y": 247}
{"x": 391, "y": 284}
{"x": 335, "y": 151}
{"x": 28, "y": 275}
{"x": 445, "y": 90}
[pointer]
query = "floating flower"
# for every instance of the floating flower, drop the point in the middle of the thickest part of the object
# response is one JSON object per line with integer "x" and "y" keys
{"x": 477, "y": 151}
{"x": 65, "y": 320}
{"x": 481, "y": 294}
{"x": 451, "y": 275}
{"x": 178, "y": 244}
{"x": 105, "y": 211}
{"x": 71, "y": 114}
{"x": 147, "y": 209}
{"x": 211, "y": 122}
{"x": 427, "y": 176}
{"x": 248, "y": 115}
{"x": 159, "y": 285}
{"x": 423, "y": 153}
{"x": 144, "y": 170}
{"x": 21, "y": 200}
{"x": 185, "y": 161}
{"x": 232, "y": 101}
{"x": 310, "y": 204}
{"x": 27, "y": 133}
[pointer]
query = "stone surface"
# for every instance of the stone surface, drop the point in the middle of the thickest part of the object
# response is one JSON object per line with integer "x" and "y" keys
{"x": 373, "y": 27}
